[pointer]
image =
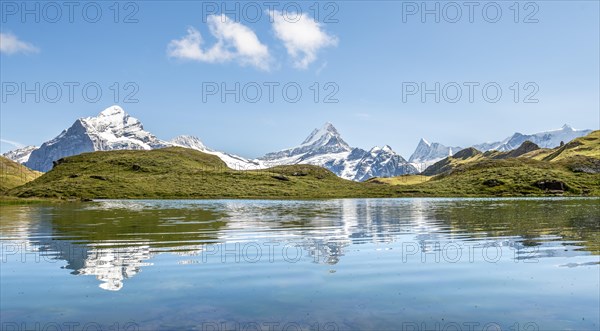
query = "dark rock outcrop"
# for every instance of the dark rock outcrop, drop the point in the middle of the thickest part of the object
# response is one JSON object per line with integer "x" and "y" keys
{"x": 280, "y": 177}
{"x": 551, "y": 185}
{"x": 492, "y": 182}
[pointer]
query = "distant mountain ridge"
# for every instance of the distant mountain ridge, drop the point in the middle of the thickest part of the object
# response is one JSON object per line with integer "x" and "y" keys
{"x": 114, "y": 129}
{"x": 326, "y": 148}
{"x": 545, "y": 139}
{"x": 583, "y": 152}
{"x": 427, "y": 153}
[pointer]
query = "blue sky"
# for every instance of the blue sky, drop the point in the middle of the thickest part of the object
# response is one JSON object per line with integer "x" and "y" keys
{"x": 367, "y": 54}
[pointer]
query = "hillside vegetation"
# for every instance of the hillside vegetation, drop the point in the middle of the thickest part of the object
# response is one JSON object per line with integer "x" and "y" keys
{"x": 185, "y": 173}
{"x": 587, "y": 146}
{"x": 572, "y": 169}
{"x": 584, "y": 146}
{"x": 13, "y": 174}
{"x": 515, "y": 177}
{"x": 400, "y": 180}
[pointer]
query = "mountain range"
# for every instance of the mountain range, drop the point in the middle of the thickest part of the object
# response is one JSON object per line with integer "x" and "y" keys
{"x": 546, "y": 139}
{"x": 427, "y": 154}
{"x": 325, "y": 147}
{"x": 114, "y": 129}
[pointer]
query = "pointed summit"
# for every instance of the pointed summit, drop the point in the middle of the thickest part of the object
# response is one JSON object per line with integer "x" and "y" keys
{"x": 329, "y": 127}
{"x": 424, "y": 142}
{"x": 321, "y": 142}
{"x": 428, "y": 153}
{"x": 325, "y": 132}
{"x": 114, "y": 119}
{"x": 567, "y": 127}
{"x": 382, "y": 162}
{"x": 111, "y": 111}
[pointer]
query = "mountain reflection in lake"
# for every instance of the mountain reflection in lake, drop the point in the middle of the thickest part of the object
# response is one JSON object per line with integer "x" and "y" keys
{"x": 343, "y": 264}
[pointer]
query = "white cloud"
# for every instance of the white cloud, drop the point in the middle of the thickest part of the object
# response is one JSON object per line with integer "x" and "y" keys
{"x": 235, "y": 42}
{"x": 10, "y": 44}
{"x": 303, "y": 38}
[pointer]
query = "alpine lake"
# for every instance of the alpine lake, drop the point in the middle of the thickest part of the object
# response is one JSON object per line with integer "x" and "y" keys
{"x": 324, "y": 265}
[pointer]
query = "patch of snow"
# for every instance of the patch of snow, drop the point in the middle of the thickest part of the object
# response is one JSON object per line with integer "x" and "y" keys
{"x": 20, "y": 155}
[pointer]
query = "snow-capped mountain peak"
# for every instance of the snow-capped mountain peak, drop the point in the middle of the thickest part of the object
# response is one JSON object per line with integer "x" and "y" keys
{"x": 323, "y": 141}
{"x": 112, "y": 129}
{"x": 111, "y": 111}
{"x": 428, "y": 153}
{"x": 189, "y": 142}
{"x": 382, "y": 162}
{"x": 20, "y": 155}
{"x": 567, "y": 127}
{"x": 325, "y": 130}
{"x": 326, "y": 135}
{"x": 326, "y": 148}
{"x": 113, "y": 119}
{"x": 384, "y": 149}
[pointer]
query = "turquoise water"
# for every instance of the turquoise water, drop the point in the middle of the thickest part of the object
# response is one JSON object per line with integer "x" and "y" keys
{"x": 356, "y": 264}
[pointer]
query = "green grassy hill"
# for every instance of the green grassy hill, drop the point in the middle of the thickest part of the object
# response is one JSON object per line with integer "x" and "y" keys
{"x": 13, "y": 174}
{"x": 586, "y": 146}
{"x": 515, "y": 177}
{"x": 573, "y": 168}
{"x": 400, "y": 180}
{"x": 186, "y": 173}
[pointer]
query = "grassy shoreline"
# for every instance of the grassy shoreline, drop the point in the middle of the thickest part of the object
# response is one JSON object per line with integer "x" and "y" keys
{"x": 12, "y": 201}
{"x": 16, "y": 201}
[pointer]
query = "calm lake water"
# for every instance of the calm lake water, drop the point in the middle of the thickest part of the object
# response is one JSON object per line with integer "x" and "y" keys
{"x": 377, "y": 264}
